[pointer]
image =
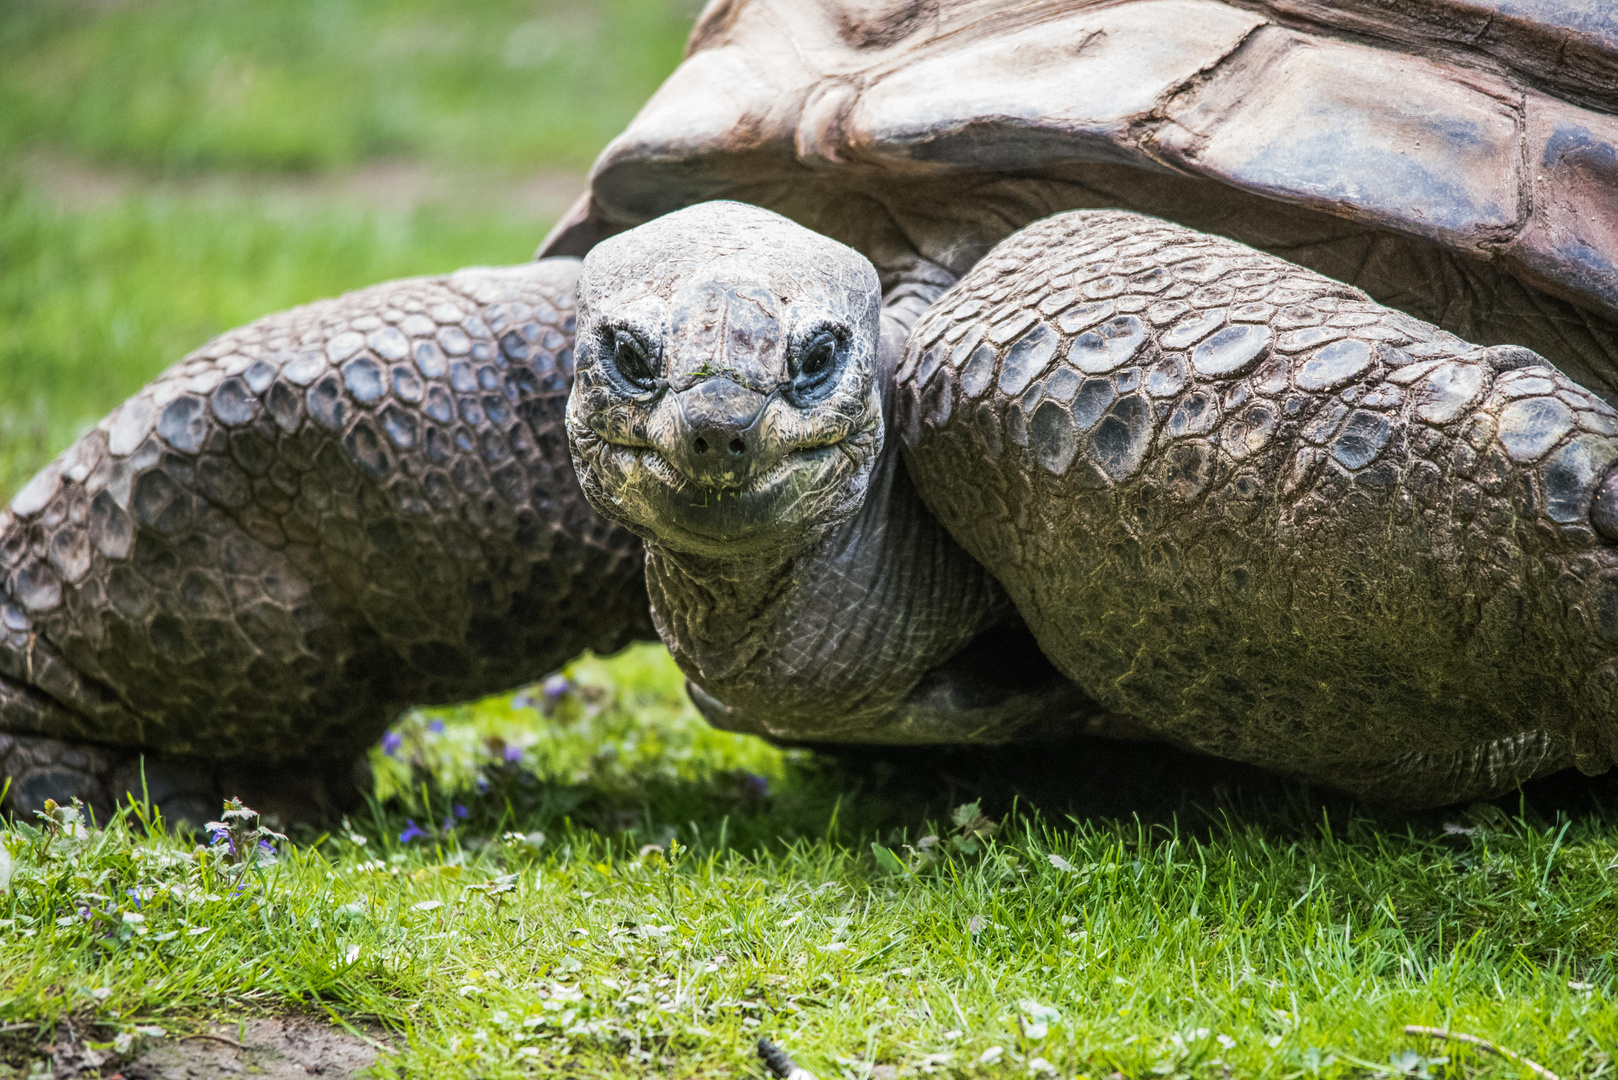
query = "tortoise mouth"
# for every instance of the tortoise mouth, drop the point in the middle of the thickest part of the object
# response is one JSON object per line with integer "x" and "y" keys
{"x": 778, "y": 504}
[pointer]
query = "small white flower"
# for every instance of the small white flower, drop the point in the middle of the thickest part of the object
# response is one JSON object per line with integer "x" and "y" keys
{"x": 991, "y": 1055}
{"x": 1036, "y": 1019}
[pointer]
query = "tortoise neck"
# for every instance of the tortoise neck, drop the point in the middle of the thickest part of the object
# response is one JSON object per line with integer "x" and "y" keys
{"x": 717, "y": 615}
{"x": 824, "y": 641}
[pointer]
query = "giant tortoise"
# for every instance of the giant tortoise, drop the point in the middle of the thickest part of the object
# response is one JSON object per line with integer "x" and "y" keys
{"x": 1234, "y": 374}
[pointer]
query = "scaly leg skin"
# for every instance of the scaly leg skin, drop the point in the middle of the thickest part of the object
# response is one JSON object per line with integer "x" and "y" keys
{"x": 247, "y": 569}
{"x": 1271, "y": 520}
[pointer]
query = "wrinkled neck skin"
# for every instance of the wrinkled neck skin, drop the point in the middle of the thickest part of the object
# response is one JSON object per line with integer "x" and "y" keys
{"x": 848, "y": 638}
{"x": 827, "y": 642}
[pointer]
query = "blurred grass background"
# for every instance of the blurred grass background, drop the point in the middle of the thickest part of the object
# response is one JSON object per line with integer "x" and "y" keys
{"x": 172, "y": 169}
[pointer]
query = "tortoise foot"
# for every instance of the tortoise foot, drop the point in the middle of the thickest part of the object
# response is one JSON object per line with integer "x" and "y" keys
{"x": 40, "y": 769}
{"x": 186, "y": 791}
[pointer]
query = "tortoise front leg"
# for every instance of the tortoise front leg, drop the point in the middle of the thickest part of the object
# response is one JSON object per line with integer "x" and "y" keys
{"x": 1270, "y": 519}
{"x": 311, "y": 522}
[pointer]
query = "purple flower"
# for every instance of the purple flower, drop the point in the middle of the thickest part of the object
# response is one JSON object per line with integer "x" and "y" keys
{"x": 436, "y": 727}
{"x": 756, "y": 785}
{"x": 220, "y": 836}
{"x": 513, "y": 753}
{"x": 555, "y": 686}
{"x": 391, "y": 742}
{"x": 412, "y": 831}
{"x": 460, "y": 811}
{"x": 266, "y": 848}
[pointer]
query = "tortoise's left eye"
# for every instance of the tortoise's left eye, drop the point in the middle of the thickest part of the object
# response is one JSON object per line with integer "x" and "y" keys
{"x": 819, "y": 359}
{"x": 814, "y": 366}
{"x": 632, "y": 360}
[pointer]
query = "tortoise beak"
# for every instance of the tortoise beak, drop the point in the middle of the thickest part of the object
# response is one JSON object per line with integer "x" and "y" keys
{"x": 715, "y": 436}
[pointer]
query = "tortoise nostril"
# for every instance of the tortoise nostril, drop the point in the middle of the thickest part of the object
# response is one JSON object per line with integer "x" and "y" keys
{"x": 737, "y": 446}
{"x": 701, "y": 445}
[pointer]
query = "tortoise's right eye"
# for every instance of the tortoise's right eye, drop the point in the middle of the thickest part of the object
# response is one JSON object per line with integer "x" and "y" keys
{"x": 633, "y": 360}
{"x": 814, "y": 366}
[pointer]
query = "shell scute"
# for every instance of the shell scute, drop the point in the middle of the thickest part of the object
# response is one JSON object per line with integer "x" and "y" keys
{"x": 1398, "y": 138}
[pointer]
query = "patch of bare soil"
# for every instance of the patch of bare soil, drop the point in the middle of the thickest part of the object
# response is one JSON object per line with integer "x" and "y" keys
{"x": 278, "y": 1048}
{"x": 275, "y": 1048}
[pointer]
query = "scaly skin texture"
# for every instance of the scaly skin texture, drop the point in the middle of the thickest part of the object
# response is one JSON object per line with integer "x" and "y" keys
{"x": 306, "y": 525}
{"x": 1269, "y": 519}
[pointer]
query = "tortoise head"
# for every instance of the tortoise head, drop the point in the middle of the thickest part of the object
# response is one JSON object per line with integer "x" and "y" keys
{"x": 725, "y": 401}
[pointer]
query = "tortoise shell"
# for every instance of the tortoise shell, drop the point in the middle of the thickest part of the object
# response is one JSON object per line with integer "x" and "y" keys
{"x": 1457, "y": 159}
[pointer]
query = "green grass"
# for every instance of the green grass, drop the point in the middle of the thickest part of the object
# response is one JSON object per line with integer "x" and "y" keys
{"x": 636, "y": 894}
{"x": 318, "y": 84}
{"x": 1272, "y": 935}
